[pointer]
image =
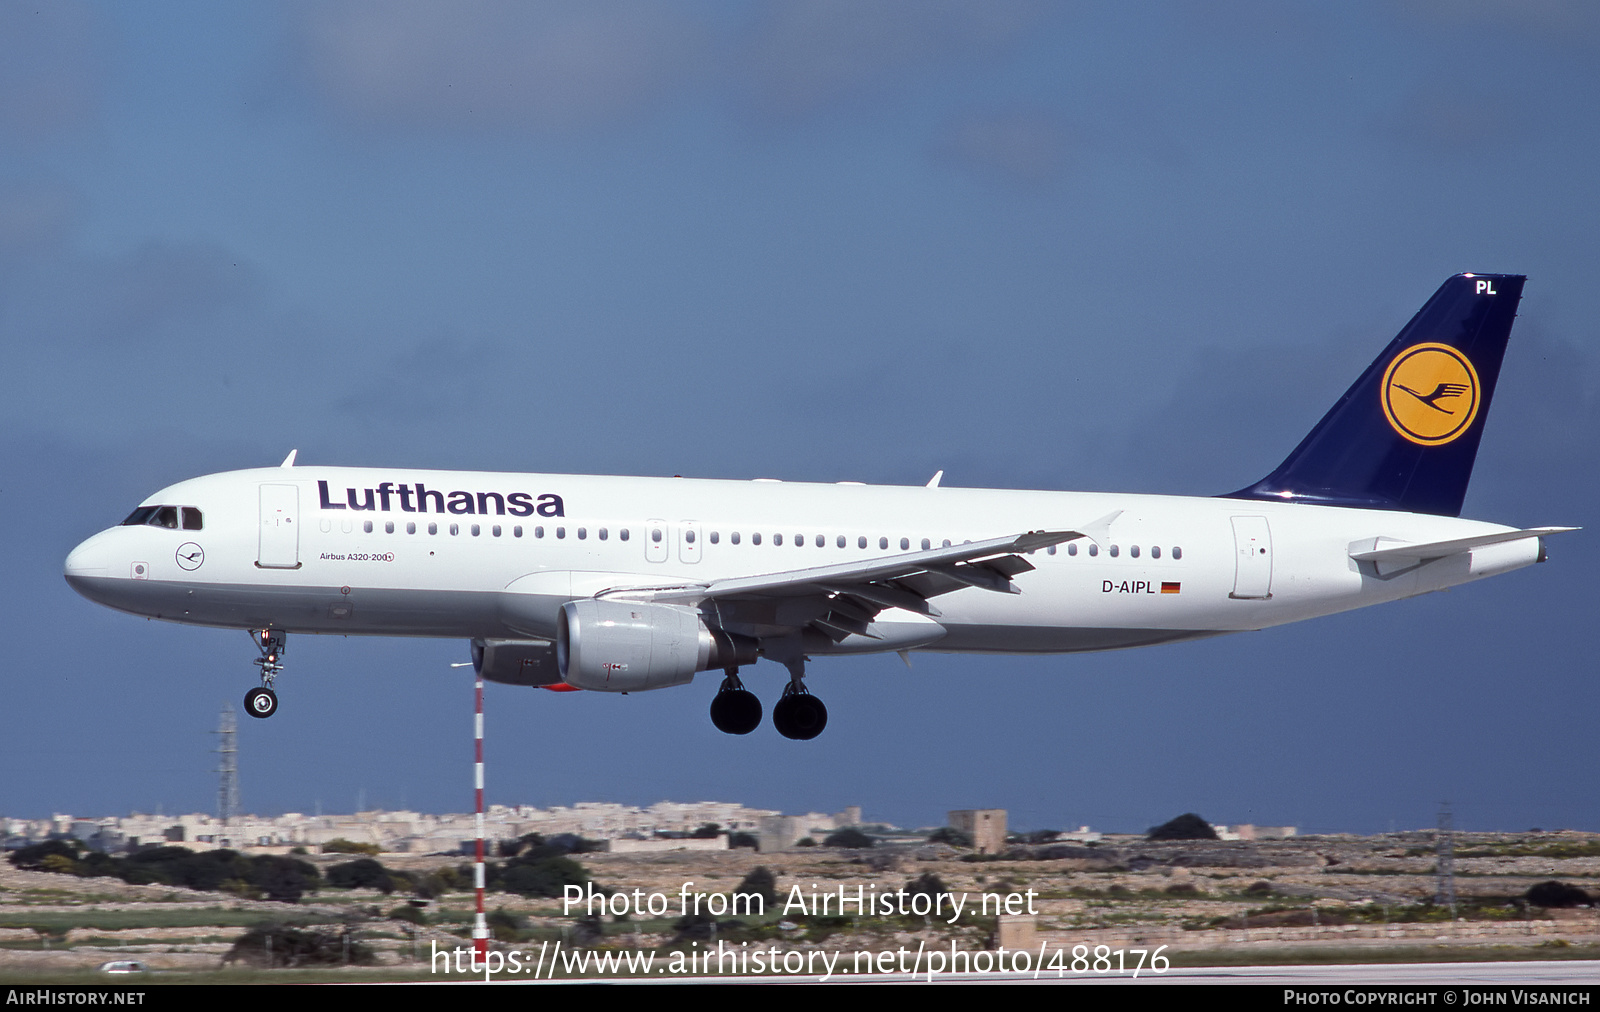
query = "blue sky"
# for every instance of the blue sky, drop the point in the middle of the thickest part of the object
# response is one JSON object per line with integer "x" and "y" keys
{"x": 1083, "y": 246}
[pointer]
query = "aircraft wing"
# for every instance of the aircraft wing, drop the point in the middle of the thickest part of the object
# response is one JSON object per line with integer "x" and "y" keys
{"x": 1442, "y": 549}
{"x": 839, "y": 600}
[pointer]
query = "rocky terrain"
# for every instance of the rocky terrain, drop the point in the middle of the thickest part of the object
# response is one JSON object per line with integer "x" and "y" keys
{"x": 1339, "y": 897}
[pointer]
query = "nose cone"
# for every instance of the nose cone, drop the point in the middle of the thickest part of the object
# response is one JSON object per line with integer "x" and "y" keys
{"x": 89, "y": 564}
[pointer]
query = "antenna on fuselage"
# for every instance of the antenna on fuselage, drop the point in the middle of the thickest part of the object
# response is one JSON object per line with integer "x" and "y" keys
{"x": 289, "y": 460}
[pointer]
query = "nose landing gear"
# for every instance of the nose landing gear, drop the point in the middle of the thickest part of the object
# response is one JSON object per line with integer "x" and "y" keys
{"x": 263, "y": 702}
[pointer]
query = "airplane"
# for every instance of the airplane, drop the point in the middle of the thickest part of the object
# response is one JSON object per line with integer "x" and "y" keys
{"x": 617, "y": 584}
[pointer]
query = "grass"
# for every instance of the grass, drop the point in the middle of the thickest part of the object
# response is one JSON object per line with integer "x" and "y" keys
{"x": 60, "y": 922}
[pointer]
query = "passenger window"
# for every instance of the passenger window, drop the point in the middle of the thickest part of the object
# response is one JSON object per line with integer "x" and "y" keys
{"x": 1051, "y": 550}
{"x": 1177, "y": 553}
{"x": 1113, "y": 551}
{"x": 411, "y": 527}
{"x": 883, "y": 544}
{"x": 538, "y": 532}
{"x": 388, "y": 527}
{"x": 655, "y": 535}
{"x": 516, "y": 531}
{"x": 455, "y": 529}
{"x": 734, "y": 537}
{"x": 583, "y": 532}
{"x": 495, "y": 530}
{"x": 861, "y": 542}
{"x": 476, "y": 530}
{"x": 905, "y": 543}
{"x": 623, "y": 534}
{"x": 799, "y": 540}
{"x": 603, "y": 533}
{"x": 777, "y": 539}
{"x": 715, "y": 537}
{"x": 1072, "y": 548}
{"x": 1094, "y": 550}
{"x": 366, "y": 525}
{"x": 561, "y": 532}
{"x": 688, "y": 536}
{"x": 433, "y": 528}
{"x": 1155, "y": 551}
{"x": 755, "y": 539}
{"x": 1133, "y": 550}
{"x": 926, "y": 544}
{"x": 191, "y": 519}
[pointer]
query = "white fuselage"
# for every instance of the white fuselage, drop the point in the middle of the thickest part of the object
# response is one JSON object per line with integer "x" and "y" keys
{"x": 496, "y": 555}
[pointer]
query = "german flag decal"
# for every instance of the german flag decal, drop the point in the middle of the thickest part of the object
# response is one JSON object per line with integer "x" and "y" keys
{"x": 1170, "y": 586}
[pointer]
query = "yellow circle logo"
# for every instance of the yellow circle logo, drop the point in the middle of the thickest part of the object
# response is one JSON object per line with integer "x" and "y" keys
{"x": 1430, "y": 394}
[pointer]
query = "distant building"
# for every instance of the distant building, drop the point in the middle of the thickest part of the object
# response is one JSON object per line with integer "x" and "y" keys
{"x": 985, "y": 826}
{"x": 658, "y": 846}
{"x": 1249, "y": 832}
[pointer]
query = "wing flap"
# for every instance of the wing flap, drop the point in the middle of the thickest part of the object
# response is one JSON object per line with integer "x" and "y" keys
{"x": 875, "y": 571}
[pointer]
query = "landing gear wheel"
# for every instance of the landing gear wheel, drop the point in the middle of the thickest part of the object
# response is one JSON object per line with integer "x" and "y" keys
{"x": 799, "y": 715}
{"x": 735, "y": 709}
{"x": 261, "y": 703}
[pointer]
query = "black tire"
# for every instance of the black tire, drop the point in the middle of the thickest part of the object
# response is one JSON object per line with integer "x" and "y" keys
{"x": 800, "y": 716}
{"x": 261, "y": 703}
{"x": 736, "y": 711}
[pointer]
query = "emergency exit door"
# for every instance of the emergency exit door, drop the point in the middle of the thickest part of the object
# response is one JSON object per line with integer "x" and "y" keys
{"x": 279, "y": 547}
{"x": 1252, "y": 553}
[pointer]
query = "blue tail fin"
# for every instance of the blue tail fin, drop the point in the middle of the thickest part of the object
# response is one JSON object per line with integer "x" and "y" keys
{"x": 1405, "y": 435}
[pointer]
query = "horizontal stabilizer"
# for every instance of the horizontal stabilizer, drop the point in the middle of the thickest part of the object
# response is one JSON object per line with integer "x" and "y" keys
{"x": 1443, "y": 549}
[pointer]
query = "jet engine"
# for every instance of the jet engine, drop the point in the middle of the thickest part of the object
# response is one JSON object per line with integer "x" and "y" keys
{"x": 516, "y": 662}
{"x": 621, "y": 646}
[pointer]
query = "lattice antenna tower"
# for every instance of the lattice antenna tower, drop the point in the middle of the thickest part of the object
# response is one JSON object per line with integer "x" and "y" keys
{"x": 228, "y": 767}
{"x": 1445, "y": 893}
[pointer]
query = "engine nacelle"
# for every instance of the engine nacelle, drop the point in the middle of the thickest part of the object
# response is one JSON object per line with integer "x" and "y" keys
{"x": 516, "y": 662}
{"x": 620, "y": 646}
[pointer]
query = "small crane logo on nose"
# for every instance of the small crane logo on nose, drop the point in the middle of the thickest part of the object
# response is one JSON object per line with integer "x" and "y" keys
{"x": 190, "y": 556}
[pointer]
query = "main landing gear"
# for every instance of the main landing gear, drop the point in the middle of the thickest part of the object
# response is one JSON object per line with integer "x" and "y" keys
{"x": 263, "y": 702}
{"x": 735, "y": 709}
{"x": 798, "y": 715}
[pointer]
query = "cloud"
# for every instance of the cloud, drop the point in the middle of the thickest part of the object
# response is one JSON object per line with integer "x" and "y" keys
{"x": 47, "y": 59}
{"x": 1563, "y": 22}
{"x": 1453, "y": 122}
{"x": 158, "y": 290}
{"x": 491, "y": 64}
{"x": 1023, "y": 147}
{"x": 806, "y": 54}
{"x": 36, "y": 216}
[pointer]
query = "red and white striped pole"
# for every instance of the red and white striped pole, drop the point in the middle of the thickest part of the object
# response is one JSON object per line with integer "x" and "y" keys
{"x": 480, "y": 926}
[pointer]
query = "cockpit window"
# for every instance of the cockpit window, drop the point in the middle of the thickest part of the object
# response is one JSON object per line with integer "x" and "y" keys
{"x": 165, "y": 516}
{"x": 140, "y": 516}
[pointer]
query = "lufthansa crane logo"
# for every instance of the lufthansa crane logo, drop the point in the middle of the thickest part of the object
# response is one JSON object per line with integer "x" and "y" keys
{"x": 190, "y": 556}
{"x": 1430, "y": 394}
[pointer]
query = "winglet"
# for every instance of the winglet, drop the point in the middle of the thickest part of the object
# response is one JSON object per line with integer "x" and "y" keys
{"x": 289, "y": 460}
{"x": 1100, "y": 530}
{"x": 934, "y": 481}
